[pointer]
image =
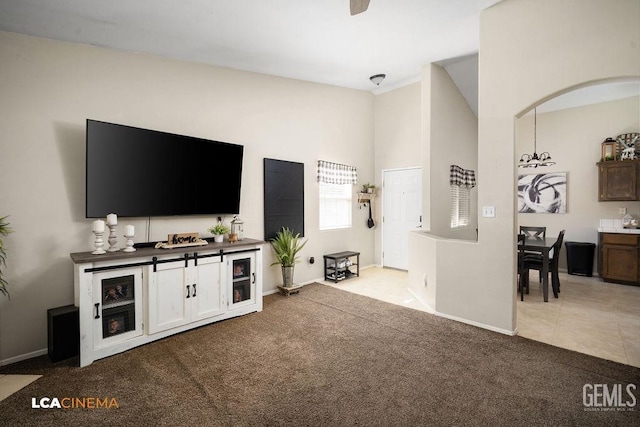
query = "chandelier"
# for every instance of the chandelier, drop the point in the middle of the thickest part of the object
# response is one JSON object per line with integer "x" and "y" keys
{"x": 534, "y": 160}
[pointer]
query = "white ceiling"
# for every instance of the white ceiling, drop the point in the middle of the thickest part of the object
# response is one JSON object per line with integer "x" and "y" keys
{"x": 312, "y": 40}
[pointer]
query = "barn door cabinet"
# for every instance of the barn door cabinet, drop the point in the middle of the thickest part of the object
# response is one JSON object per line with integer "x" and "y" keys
{"x": 619, "y": 180}
{"x": 128, "y": 299}
{"x": 181, "y": 292}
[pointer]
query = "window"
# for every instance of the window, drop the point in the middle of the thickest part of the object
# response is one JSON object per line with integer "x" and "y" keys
{"x": 336, "y": 183}
{"x": 335, "y": 206}
{"x": 461, "y": 182}
{"x": 460, "y": 206}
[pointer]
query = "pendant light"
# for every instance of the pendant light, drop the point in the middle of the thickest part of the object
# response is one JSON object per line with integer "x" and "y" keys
{"x": 534, "y": 160}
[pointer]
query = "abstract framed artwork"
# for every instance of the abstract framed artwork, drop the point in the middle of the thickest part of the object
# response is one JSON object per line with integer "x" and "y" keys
{"x": 542, "y": 193}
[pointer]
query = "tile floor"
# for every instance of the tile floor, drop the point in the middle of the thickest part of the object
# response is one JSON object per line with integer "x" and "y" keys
{"x": 590, "y": 316}
{"x": 9, "y": 384}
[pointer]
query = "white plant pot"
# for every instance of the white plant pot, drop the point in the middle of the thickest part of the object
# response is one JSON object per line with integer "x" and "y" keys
{"x": 218, "y": 238}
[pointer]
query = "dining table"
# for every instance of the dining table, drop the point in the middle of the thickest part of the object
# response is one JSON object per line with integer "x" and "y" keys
{"x": 543, "y": 247}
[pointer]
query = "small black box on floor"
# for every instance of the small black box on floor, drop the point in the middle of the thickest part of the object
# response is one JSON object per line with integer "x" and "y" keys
{"x": 63, "y": 329}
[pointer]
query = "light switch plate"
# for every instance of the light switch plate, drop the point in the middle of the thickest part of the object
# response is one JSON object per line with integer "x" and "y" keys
{"x": 489, "y": 211}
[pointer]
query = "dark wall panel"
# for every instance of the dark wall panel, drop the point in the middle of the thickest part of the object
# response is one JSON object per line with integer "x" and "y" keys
{"x": 283, "y": 197}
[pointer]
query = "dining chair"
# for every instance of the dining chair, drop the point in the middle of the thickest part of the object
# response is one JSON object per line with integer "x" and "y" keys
{"x": 535, "y": 232}
{"x": 530, "y": 262}
{"x": 521, "y": 254}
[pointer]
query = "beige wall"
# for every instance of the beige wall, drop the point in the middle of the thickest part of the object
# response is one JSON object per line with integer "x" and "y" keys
{"x": 397, "y": 140}
{"x": 50, "y": 88}
{"x": 452, "y": 138}
{"x": 530, "y": 51}
{"x": 573, "y": 137}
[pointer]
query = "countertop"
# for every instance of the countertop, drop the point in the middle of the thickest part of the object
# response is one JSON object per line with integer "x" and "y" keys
{"x": 615, "y": 226}
{"x": 618, "y": 230}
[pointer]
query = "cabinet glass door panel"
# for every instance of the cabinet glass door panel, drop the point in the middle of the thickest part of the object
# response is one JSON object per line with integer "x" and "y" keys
{"x": 117, "y": 306}
{"x": 242, "y": 281}
{"x": 118, "y": 320}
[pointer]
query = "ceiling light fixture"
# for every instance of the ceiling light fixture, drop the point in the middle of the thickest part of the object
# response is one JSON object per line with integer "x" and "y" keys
{"x": 535, "y": 160}
{"x": 377, "y": 79}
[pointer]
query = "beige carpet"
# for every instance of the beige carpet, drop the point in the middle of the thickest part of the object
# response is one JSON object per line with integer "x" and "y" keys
{"x": 326, "y": 357}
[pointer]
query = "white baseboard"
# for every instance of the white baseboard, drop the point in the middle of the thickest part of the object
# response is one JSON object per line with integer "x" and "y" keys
{"x": 425, "y": 304}
{"x": 478, "y": 324}
{"x": 22, "y": 357}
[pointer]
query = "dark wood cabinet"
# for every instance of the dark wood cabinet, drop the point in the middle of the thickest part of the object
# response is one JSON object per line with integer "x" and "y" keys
{"x": 618, "y": 180}
{"x": 619, "y": 258}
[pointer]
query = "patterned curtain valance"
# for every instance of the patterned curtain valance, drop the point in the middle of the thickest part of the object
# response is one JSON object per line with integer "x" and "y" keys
{"x": 335, "y": 173}
{"x": 462, "y": 177}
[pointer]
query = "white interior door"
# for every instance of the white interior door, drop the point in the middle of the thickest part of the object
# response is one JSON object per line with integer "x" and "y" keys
{"x": 401, "y": 212}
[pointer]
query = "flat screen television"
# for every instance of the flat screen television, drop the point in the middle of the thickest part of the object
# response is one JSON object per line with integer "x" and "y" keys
{"x": 135, "y": 172}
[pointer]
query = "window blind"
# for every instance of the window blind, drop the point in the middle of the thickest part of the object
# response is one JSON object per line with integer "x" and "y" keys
{"x": 335, "y": 206}
{"x": 461, "y": 182}
{"x": 336, "y": 183}
{"x": 460, "y": 206}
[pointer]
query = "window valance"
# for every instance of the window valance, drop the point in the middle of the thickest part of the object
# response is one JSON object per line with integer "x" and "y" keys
{"x": 335, "y": 173}
{"x": 462, "y": 177}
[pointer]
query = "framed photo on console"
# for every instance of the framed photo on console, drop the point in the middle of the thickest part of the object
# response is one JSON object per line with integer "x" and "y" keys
{"x": 117, "y": 320}
{"x": 117, "y": 289}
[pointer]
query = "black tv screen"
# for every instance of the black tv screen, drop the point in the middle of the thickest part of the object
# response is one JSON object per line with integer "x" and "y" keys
{"x": 135, "y": 172}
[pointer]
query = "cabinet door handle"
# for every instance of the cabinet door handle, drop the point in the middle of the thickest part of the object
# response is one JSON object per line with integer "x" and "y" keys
{"x": 254, "y": 277}
{"x": 188, "y": 291}
{"x": 194, "y": 290}
{"x": 97, "y": 316}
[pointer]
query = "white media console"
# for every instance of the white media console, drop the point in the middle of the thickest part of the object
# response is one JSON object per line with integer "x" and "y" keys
{"x": 127, "y": 299}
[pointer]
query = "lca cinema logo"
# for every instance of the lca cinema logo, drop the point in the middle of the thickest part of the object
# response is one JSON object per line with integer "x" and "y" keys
{"x": 609, "y": 397}
{"x": 74, "y": 403}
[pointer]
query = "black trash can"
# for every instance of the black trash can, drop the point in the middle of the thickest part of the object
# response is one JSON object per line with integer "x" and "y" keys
{"x": 580, "y": 258}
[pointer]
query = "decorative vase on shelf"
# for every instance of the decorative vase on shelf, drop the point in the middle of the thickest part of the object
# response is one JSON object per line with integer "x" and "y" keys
{"x": 218, "y": 238}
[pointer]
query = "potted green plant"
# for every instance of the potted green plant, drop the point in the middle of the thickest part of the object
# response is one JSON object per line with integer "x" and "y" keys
{"x": 286, "y": 246}
{"x": 4, "y": 230}
{"x": 218, "y": 231}
{"x": 368, "y": 188}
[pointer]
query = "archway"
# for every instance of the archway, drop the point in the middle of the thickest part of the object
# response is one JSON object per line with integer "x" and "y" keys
{"x": 571, "y": 127}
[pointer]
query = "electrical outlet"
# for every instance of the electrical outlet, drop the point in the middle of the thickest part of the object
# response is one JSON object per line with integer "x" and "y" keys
{"x": 622, "y": 211}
